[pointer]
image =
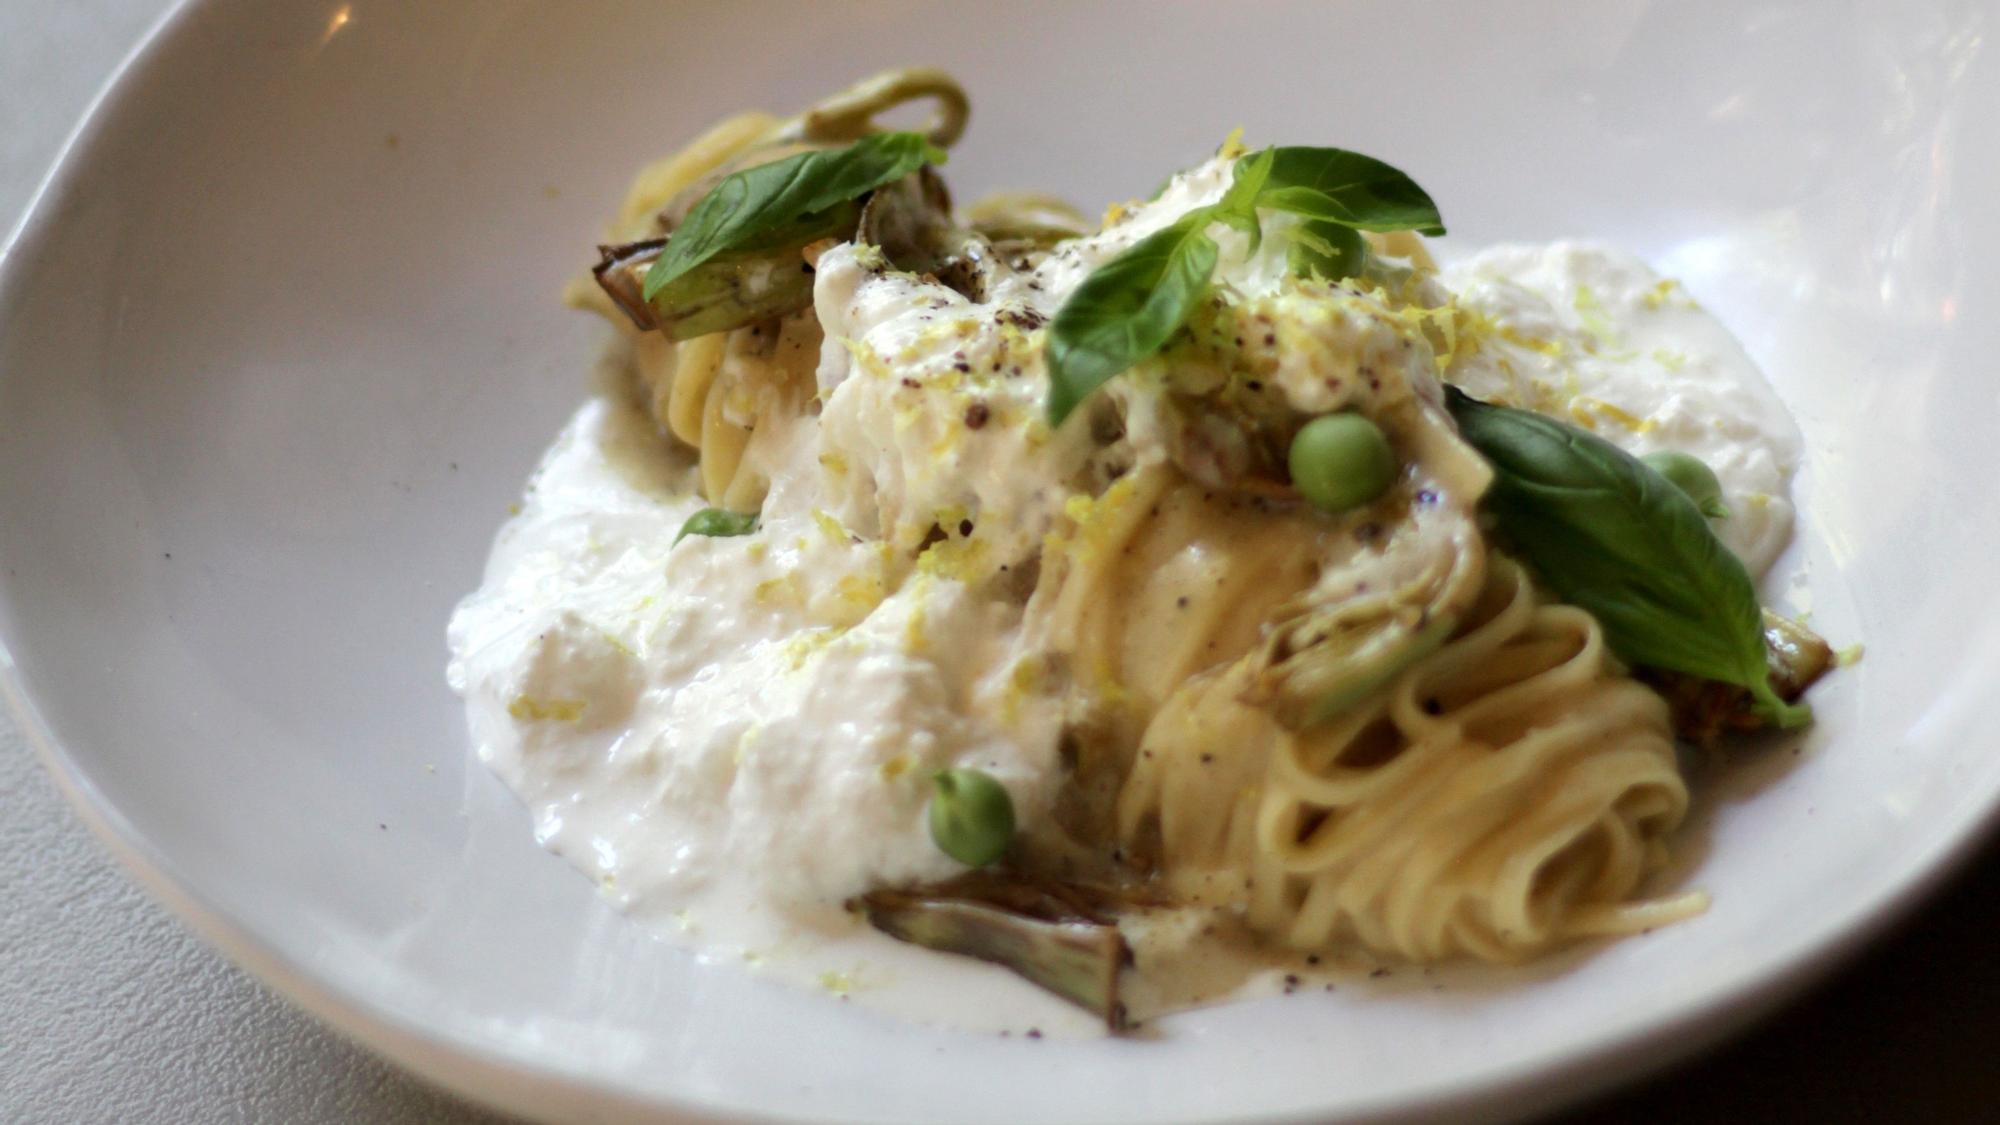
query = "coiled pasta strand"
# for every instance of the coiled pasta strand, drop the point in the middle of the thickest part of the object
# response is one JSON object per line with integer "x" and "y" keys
{"x": 1506, "y": 794}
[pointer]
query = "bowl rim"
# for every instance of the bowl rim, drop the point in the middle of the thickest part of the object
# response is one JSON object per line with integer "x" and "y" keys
{"x": 506, "y": 1078}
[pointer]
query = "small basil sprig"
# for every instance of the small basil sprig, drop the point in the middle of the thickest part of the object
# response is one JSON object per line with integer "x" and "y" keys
{"x": 1129, "y": 307}
{"x": 1610, "y": 535}
{"x": 752, "y": 203}
{"x": 719, "y": 523}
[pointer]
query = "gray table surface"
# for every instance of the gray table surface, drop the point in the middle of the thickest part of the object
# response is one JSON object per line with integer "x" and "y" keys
{"x": 111, "y": 1011}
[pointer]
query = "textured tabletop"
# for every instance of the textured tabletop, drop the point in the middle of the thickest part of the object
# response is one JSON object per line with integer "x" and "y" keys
{"x": 111, "y": 1011}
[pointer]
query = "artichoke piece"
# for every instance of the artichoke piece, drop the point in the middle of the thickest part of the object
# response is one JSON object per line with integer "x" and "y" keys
{"x": 759, "y": 282}
{"x": 1705, "y": 710}
{"x": 1416, "y": 569}
{"x": 1329, "y": 655}
{"x": 1058, "y": 937}
{"x": 621, "y": 273}
{"x": 1798, "y": 657}
{"x": 910, "y": 220}
{"x": 767, "y": 279}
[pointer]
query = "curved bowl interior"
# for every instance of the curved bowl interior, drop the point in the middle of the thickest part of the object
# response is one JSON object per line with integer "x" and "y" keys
{"x": 281, "y": 342}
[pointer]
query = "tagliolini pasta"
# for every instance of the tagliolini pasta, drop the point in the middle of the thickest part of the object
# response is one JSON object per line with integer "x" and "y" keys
{"x": 1506, "y": 793}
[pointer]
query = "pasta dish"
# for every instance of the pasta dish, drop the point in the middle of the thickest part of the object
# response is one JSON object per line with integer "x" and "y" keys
{"x": 1223, "y": 577}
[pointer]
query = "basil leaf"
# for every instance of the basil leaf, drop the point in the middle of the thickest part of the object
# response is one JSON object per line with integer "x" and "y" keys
{"x": 718, "y": 523}
{"x": 752, "y": 202}
{"x": 1329, "y": 250}
{"x": 1131, "y": 306}
{"x": 1238, "y": 205}
{"x": 1610, "y": 535}
{"x": 761, "y": 279}
{"x": 1348, "y": 188}
{"x": 1127, "y": 309}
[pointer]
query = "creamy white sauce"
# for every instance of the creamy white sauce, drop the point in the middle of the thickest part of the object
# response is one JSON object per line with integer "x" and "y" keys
{"x": 1593, "y": 336}
{"x": 735, "y": 735}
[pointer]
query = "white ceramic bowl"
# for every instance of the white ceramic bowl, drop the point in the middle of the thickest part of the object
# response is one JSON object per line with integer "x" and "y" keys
{"x": 279, "y": 343}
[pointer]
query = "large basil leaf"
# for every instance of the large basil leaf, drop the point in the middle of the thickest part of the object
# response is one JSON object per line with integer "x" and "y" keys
{"x": 1127, "y": 310}
{"x": 1612, "y": 536}
{"x": 1129, "y": 307}
{"x": 1348, "y": 188}
{"x": 754, "y": 201}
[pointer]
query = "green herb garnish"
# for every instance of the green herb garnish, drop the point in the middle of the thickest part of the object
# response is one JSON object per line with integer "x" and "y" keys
{"x": 1350, "y": 189}
{"x": 754, "y": 202}
{"x": 719, "y": 523}
{"x": 761, "y": 278}
{"x": 1614, "y": 537}
{"x": 1128, "y": 308}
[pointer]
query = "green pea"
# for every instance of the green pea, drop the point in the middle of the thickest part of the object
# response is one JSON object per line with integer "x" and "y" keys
{"x": 972, "y": 818}
{"x": 1341, "y": 461}
{"x": 1688, "y": 473}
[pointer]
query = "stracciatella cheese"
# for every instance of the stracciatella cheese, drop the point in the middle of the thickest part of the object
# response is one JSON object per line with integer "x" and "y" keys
{"x": 1591, "y": 335}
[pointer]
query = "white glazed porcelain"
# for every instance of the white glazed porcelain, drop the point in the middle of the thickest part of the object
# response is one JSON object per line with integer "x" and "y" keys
{"x": 279, "y": 343}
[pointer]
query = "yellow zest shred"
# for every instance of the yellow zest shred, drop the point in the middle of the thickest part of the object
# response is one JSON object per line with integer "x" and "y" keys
{"x": 914, "y": 641}
{"x": 865, "y": 357}
{"x": 1550, "y": 348}
{"x": 1026, "y": 680}
{"x": 1590, "y": 311}
{"x": 862, "y": 592}
{"x": 961, "y": 559}
{"x": 1667, "y": 291}
{"x": 786, "y": 590}
{"x": 1582, "y": 406}
{"x": 612, "y": 639}
{"x": 1093, "y": 517}
{"x": 528, "y": 709}
{"x": 803, "y": 645}
{"x": 829, "y": 526}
